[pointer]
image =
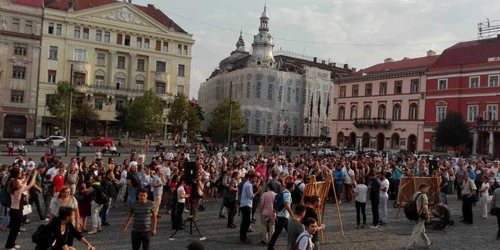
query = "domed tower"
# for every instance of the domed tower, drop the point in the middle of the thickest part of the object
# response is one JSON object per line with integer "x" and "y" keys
{"x": 263, "y": 45}
{"x": 229, "y": 63}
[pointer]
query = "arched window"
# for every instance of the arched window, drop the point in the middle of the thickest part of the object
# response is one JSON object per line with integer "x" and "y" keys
{"x": 120, "y": 81}
{"x": 354, "y": 112}
{"x": 99, "y": 79}
{"x": 341, "y": 113}
{"x": 395, "y": 141}
{"x": 381, "y": 111}
{"x": 396, "y": 112}
{"x": 139, "y": 83}
{"x": 413, "y": 111}
{"x": 367, "y": 112}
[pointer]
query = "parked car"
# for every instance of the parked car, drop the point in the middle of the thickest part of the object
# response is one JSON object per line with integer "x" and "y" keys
{"x": 54, "y": 139}
{"x": 98, "y": 141}
{"x": 31, "y": 141}
{"x": 323, "y": 152}
{"x": 350, "y": 153}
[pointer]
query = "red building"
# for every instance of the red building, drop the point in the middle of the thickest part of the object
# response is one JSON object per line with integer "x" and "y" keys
{"x": 465, "y": 79}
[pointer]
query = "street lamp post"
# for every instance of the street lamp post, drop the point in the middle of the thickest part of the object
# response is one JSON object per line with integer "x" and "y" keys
{"x": 70, "y": 104}
{"x": 165, "y": 119}
{"x": 230, "y": 113}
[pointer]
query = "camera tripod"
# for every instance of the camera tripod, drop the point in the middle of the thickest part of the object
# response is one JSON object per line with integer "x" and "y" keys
{"x": 192, "y": 225}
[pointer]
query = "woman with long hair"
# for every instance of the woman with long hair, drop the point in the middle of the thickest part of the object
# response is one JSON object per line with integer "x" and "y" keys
{"x": 16, "y": 187}
{"x": 84, "y": 203}
{"x": 65, "y": 199}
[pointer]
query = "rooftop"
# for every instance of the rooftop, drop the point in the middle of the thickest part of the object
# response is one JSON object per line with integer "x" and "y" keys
{"x": 33, "y": 3}
{"x": 469, "y": 52}
{"x": 396, "y": 66}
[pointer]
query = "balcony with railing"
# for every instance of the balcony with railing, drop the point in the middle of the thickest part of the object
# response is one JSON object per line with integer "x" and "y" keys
{"x": 372, "y": 123}
{"x": 108, "y": 90}
{"x": 486, "y": 125}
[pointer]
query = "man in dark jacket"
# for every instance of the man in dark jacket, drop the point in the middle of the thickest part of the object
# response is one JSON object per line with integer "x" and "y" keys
{"x": 375, "y": 198}
{"x": 108, "y": 185}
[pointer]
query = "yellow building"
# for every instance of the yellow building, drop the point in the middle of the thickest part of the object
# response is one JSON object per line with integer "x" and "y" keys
{"x": 117, "y": 50}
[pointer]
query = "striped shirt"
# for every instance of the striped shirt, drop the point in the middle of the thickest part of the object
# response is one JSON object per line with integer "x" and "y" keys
{"x": 142, "y": 216}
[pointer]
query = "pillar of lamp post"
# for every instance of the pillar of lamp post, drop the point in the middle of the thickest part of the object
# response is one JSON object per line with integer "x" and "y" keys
{"x": 70, "y": 103}
{"x": 165, "y": 120}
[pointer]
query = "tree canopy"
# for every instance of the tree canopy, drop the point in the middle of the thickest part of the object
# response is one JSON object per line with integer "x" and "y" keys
{"x": 85, "y": 117}
{"x": 143, "y": 115}
{"x": 184, "y": 116}
{"x": 219, "y": 126}
{"x": 453, "y": 130}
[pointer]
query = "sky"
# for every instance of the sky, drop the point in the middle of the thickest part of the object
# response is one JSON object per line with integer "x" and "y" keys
{"x": 360, "y": 33}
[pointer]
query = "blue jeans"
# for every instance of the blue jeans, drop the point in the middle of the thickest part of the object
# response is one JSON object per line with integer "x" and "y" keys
{"x": 444, "y": 198}
{"x": 132, "y": 195}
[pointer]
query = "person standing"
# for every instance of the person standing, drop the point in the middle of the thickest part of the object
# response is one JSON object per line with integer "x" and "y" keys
{"x": 483, "y": 196}
{"x": 468, "y": 192}
{"x": 384, "y": 196}
{"x": 424, "y": 215}
{"x": 78, "y": 147}
{"x": 157, "y": 187}
{"x": 374, "y": 199}
{"x": 144, "y": 224}
{"x": 313, "y": 204}
{"x": 495, "y": 204}
{"x": 295, "y": 227}
{"x": 230, "y": 199}
{"x": 36, "y": 193}
{"x": 133, "y": 183}
{"x": 267, "y": 214}
{"x": 181, "y": 201}
{"x": 283, "y": 215}
{"x": 349, "y": 181}
{"x": 360, "y": 191}
{"x": 246, "y": 206}
{"x": 304, "y": 241}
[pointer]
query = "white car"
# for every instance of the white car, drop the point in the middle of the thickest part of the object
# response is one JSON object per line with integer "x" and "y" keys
{"x": 55, "y": 139}
{"x": 350, "y": 153}
{"x": 323, "y": 152}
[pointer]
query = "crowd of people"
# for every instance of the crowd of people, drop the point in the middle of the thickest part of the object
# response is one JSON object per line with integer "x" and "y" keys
{"x": 76, "y": 197}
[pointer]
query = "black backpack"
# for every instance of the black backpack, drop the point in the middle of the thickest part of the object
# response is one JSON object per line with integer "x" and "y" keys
{"x": 297, "y": 194}
{"x": 99, "y": 195}
{"x": 5, "y": 198}
{"x": 279, "y": 203}
{"x": 411, "y": 210}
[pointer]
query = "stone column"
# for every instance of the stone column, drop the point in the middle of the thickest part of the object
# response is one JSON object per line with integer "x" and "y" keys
{"x": 474, "y": 142}
{"x": 131, "y": 63}
{"x": 492, "y": 143}
{"x": 111, "y": 68}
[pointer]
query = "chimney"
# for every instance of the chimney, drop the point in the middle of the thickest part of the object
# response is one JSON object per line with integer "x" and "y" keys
{"x": 70, "y": 5}
{"x": 353, "y": 70}
{"x": 315, "y": 59}
{"x": 405, "y": 58}
{"x": 323, "y": 61}
{"x": 346, "y": 66}
{"x": 151, "y": 5}
{"x": 431, "y": 53}
{"x": 387, "y": 60}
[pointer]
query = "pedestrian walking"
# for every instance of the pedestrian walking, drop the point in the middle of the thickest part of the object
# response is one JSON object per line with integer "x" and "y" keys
{"x": 424, "y": 216}
{"x": 144, "y": 224}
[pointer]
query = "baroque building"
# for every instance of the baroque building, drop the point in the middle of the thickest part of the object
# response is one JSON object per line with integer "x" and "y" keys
{"x": 281, "y": 93}
{"x": 20, "y": 38}
{"x": 117, "y": 50}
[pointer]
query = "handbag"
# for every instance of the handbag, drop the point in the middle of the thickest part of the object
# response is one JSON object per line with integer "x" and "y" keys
{"x": 27, "y": 209}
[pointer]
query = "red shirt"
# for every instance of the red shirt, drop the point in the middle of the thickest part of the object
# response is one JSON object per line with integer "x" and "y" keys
{"x": 58, "y": 183}
{"x": 261, "y": 169}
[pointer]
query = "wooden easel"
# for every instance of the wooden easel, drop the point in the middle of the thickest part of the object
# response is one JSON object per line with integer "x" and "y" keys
{"x": 409, "y": 186}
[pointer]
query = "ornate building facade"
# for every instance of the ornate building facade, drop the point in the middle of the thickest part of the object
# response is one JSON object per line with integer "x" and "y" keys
{"x": 20, "y": 39}
{"x": 117, "y": 50}
{"x": 280, "y": 94}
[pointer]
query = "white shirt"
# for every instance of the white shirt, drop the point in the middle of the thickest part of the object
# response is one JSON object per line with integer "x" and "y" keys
{"x": 79, "y": 144}
{"x": 166, "y": 174}
{"x": 113, "y": 148}
{"x": 485, "y": 193}
{"x": 123, "y": 177}
{"x": 141, "y": 157}
{"x": 361, "y": 191}
{"x": 384, "y": 184}
{"x": 52, "y": 172}
{"x": 494, "y": 170}
{"x": 180, "y": 191}
{"x": 349, "y": 174}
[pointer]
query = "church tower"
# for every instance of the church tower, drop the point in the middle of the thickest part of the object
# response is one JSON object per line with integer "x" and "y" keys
{"x": 263, "y": 45}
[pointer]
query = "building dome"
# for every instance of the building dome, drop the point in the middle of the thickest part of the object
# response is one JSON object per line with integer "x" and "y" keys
{"x": 263, "y": 45}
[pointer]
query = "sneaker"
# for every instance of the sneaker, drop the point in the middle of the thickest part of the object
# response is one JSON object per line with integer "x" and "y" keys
{"x": 186, "y": 211}
{"x": 46, "y": 219}
{"x": 374, "y": 226}
{"x": 92, "y": 232}
{"x": 430, "y": 245}
{"x": 22, "y": 229}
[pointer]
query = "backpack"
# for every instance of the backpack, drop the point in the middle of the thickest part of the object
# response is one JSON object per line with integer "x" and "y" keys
{"x": 99, "y": 196}
{"x": 296, "y": 246}
{"x": 297, "y": 194}
{"x": 5, "y": 198}
{"x": 279, "y": 202}
{"x": 411, "y": 211}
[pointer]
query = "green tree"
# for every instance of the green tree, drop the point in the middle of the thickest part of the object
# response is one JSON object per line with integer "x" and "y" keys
{"x": 57, "y": 104}
{"x": 177, "y": 115}
{"x": 453, "y": 130}
{"x": 143, "y": 115}
{"x": 85, "y": 117}
{"x": 219, "y": 125}
{"x": 192, "y": 119}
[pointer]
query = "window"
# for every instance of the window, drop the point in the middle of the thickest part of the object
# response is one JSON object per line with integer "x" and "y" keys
{"x": 120, "y": 82}
{"x": 17, "y": 96}
{"x": 472, "y": 113}
{"x": 98, "y": 35}
{"x": 98, "y": 103}
{"x": 158, "y": 45}
{"x": 86, "y": 32}
{"x": 354, "y": 90}
{"x": 180, "y": 71}
{"x": 59, "y": 29}
{"x": 140, "y": 65}
{"x": 101, "y": 59}
{"x": 119, "y": 39}
{"x": 146, "y": 43}
{"x": 165, "y": 46}
{"x": 121, "y": 62}
{"x": 161, "y": 66}
{"x": 48, "y": 99}
{"x": 342, "y": 91}
{"x": 180, "y": 89}
{"x": 161, "y": 88}
{"x": 414, "y": 86}
{"x": 53, "y": 51}
{"x": 436, "y": 147}
{"x": 15, "y": 24}
{"x": 474, "y": 81}
{"x": 52, "y": 76}
{"x": 119, "y": 105}
{"x": 18, "y": 72}
{"x": 354, "y": 112}
{"x": 76, "y": 33}
{"x": 367, "y": 114}
{"x": 381, "y": 111}
{"x": 20, "y": 49}
{"x": 80, "y": 55}
{"x": 442, "y": 84}
{"x": 368, "y": 89}
{"x": 440, "y": 113}
{"x": 491, "y": 112}
{"x": 396, "y": 112}
{"x": 493, "y": 81}
{"x": 413, "y": 111}
{"x": 185, "y": 49}
{"x": 28, "y": 27}
{"x": 179, "y": 49}
{"x": 139, "y": 42}
{"x": 127, "y": 40}
{"x": 107, "y": 37}
{"x": 341, "y": 113}
{"x": 79, "y": 78}
{"x": 51, "y": 28}
{"x": 99, "y": 82}
{"x": 383, "y": 88}
{"x": 139, "y": 85}
{"x": 398, "y": 87}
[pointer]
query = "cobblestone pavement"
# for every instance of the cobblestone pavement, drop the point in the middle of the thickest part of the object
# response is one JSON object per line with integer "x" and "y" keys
{"x": 394, "y": 235}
